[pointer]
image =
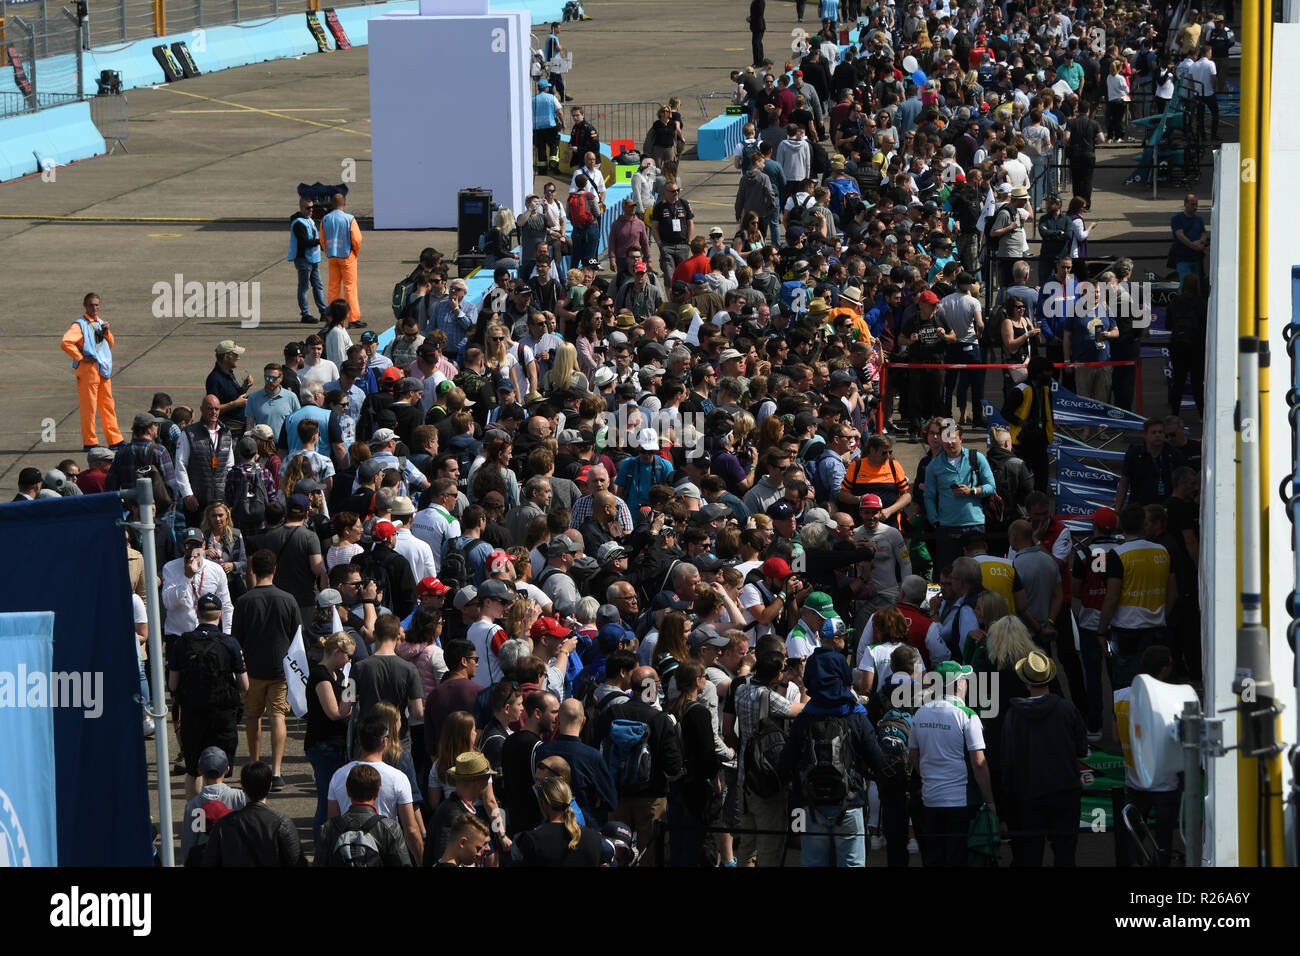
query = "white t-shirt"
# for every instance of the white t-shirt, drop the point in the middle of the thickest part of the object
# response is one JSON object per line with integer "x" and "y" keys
{"x": 751, "y": 596}
{"x": 394, "y": 788}
{"x": 480, "y": 635}
{"x": 943, "y": 732}
{"x": 141, "y": 616}
{"x": 323, "y": 371}
{"x": 875, "y": 659}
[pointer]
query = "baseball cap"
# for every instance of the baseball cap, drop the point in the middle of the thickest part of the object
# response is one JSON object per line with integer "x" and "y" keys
{"x": 711, "y": 512}
{"x": 193, "y": 536}
{"x": 928, "y": 297}
{"x": 213, "y": 760}
{"x": 609, "y": 551}
{"x": 330, "y": 597}
{"x": 780, "y": 510}
{"x": 208, "y": 602}
{"x": 607, "y": 614}
{"x": 431, "y": 587}
{"x": 561, "y": 544}
{"x": 1004, "y": 189}
{"x": 716, "y": 231}
{"x": 383, "y": 436}
{"x": 370, "y": 336}
{"x": 776, "y": 568}
{"x": 612, "y": 635}
{"x": 307, "y": 486}
{"x": 1105, "y": 518}
{"x": 952, "y": 671}
{"x": 568, "y": 436}
{"x": 100, "y": 453}
{"x": 820, "y": 603}
{"x": 497, "y": 591}
{"x": 640, "y": 267}
{"x": 680, "y": 286}
{"x": 466, "y": 595}
{"x": 293, "y": 350}
{"x": 143, "y": 420}
{"x": 226, "y": 346}
{"x": 841, "y": 377}
{"x": 706, "y": 636}
{"x": 392, "y": 374}
{"x": 871, "y": 501}
{"x": 793, "y": 233}
{"x": 547, "y": 626}
{"x": 367, "y": 470}
{"x": 730, "y": 354}
{"x": 384, "y": 530}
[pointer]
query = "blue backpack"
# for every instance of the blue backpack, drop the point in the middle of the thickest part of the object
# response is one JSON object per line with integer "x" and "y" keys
{"x": 841, "y": 190}
{"x": 626, "y": 750}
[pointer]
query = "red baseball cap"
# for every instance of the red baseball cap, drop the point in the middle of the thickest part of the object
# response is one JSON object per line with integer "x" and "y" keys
{"x": 929, "y": 298}
{"x": 872, "y": 501}
{"x": 798, "y": 72}
{"x": 431, "y": 587}
{"x": 776, "y": 568}
{"x": 497, "y": 561}
{"x": 583, "y": 472}
{"x": 391, "y": 374}
{"x": 385, "y": 530}
{"x": 640, "y": 267}
{"x": 1105, "y": 518}
{"x": 545, "y": 626}
{"x": 959, "y": 178}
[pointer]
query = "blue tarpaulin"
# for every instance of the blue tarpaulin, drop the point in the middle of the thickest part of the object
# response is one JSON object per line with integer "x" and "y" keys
{"x": 68, "y": 556}
{"x": 28, "y": 836}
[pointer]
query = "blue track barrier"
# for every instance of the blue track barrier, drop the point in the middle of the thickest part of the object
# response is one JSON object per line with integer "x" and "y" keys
{"x": 60, "y": 135}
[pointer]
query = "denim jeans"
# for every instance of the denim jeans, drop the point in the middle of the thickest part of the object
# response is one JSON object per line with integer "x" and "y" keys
{"x": 309, "y": 274}
{"x": 326, "y": 760}
{"x": 828, "y": 832}
{"x": 1188, "y": 265}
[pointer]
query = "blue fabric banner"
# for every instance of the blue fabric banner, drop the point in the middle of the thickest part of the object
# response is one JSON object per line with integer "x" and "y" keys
{"x": 1071, "y": 409}
{"x": 68, "y": 556}
{"x": 1084, "y": 450}
{"x": 1080, "y": 499}
{"x": 28, "y": 835}
{"x": 1071, "y": 469}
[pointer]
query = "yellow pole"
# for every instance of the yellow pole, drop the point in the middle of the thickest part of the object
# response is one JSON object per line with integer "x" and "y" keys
{"x": 1274, "y": 798}
{"x": 1247, "y": 286}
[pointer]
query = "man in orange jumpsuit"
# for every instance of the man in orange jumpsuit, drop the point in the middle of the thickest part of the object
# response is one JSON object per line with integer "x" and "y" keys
{"x": 90, "y": 343}
{"x": 341, "y": 238}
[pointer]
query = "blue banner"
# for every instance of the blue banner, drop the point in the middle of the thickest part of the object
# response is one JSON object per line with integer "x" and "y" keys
{"x": 28, "y": 831}
{"x": 1071, "y": 409}
{"x": 1080, "y": 500}
{"x": 1083, "y": 450}
{"x": 99, "y": 741}
{"x": 1071, "y": 469}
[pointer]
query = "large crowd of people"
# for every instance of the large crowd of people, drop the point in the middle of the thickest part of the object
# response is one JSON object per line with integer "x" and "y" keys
{"x": 614, "y": 561}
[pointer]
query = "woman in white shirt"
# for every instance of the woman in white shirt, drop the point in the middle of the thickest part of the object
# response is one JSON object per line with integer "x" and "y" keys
{"x": 503, "y": 357}
{"x": 1117, "y": 98}
{"x": 1079, "y": 230}
{"x": 337, "y": 340}
{"x": 557, "y": 226}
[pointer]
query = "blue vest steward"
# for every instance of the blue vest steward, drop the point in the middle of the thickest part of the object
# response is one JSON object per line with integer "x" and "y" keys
{"x": 336, "y": 230}
{"x": 312, "y": 254}
{"x": 92, "y": 351}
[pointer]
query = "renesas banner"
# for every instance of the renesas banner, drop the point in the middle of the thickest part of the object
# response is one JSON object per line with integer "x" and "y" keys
{"x": 1070, "y": 469}
{"x": 1072, "y": 409}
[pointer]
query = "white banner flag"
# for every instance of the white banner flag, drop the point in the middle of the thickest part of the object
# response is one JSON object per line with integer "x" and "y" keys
{"x": 295, "y": 675}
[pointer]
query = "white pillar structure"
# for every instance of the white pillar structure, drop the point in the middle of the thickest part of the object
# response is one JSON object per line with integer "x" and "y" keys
{"x": 450, "y": 108}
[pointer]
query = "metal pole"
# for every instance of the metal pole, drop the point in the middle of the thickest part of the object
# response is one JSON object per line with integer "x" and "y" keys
{"x": 45, "y": 29}
{"x": 144, "y": 498}
{"x": 121, "y": 13}
{"x": 81, "y": 64}
{"x": 1190, "y": 731}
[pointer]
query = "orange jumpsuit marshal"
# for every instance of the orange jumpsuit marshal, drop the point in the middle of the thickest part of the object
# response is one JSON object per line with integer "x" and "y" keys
{"x": 341, "y": 237}
{"x": 90, "y": 343}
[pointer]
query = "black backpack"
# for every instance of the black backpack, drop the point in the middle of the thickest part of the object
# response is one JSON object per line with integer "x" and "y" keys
{"x": 205, "y": 683}
{"x": 248, "y": 499}
{"x": 357, "y": 847}
{"x": 763, "y": 751}
{"x": 163, "y": 500}
{"x": 826, "y": 765}
{"x": 893, "y": 730}
{"x": 455, "y": 566}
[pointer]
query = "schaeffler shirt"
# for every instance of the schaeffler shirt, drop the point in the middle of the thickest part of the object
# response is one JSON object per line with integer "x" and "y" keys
{"x": 943, "y": 732}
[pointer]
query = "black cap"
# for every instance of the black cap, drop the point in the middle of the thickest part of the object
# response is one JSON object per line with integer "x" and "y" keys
{"x": 208, "y": 602}
{"x": 292, "y": 349}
